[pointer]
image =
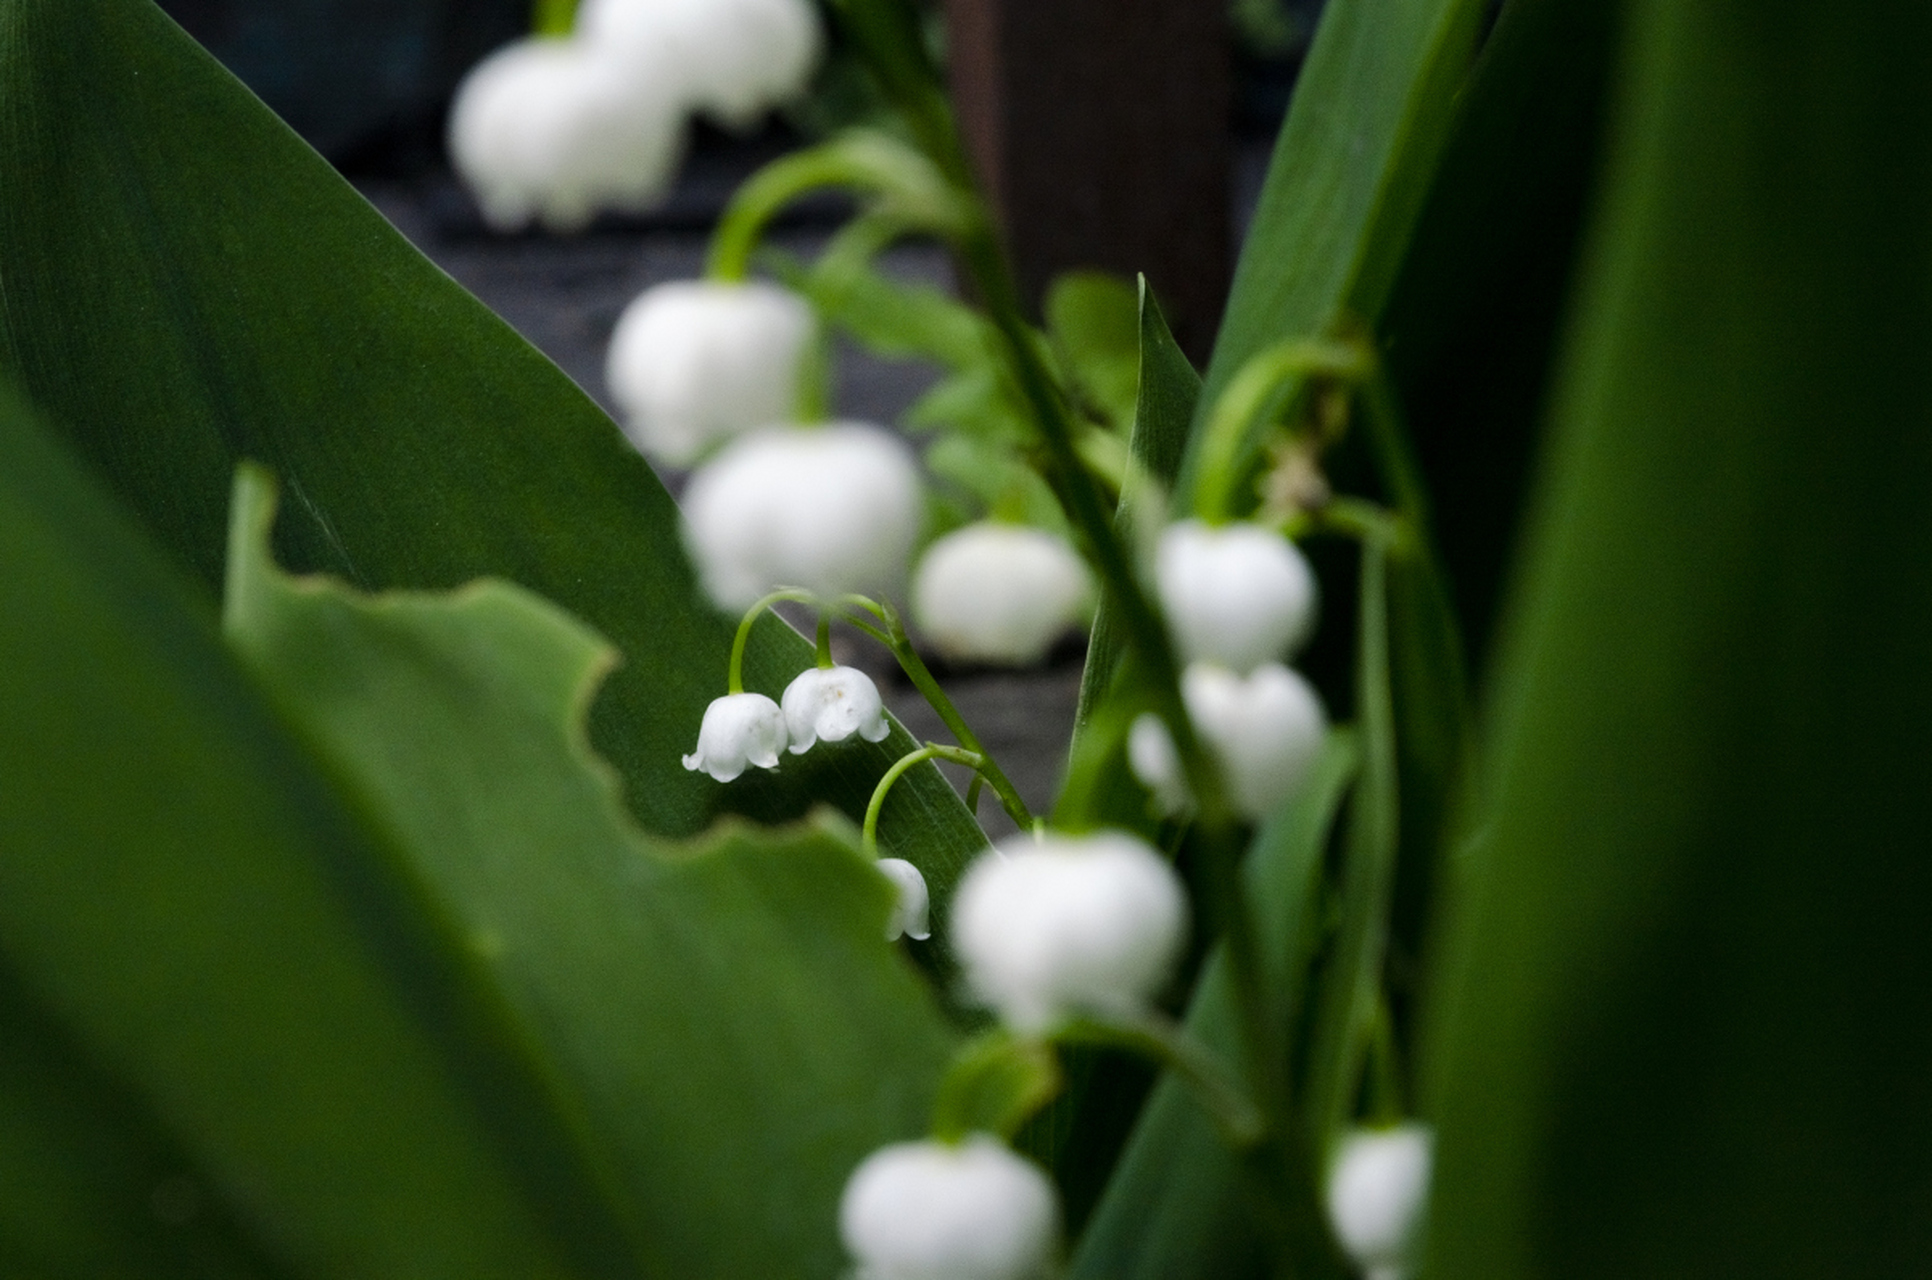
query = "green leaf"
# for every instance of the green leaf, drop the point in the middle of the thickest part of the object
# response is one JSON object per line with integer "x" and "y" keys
{"x": 1689, "y": 999}
{"x": 1349, "y": 173}
{"x": 1091, "y": 319}
{"x": 725, "y": 1025}
{"x": 210, "y": 974}
{"x": 188, "y": 285}
{"x": 1177, "y": 1206}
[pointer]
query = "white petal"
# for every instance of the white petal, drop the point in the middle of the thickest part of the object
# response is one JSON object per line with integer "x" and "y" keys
{"x": 1000, "y": 593}
{"x": 693, "y": 362}
{"x": 1049, "y": 927}
{"x": 909, "y": 913}
{"x": 739, "y": 729}
{"x": 928, "y": 1211}
{"x": 831, "y": 705}
{"x": 833, "y": 509}
{"x": 1266, "y": 729}
{"x": 1151, "y": 755}
{"x": 1378, "y": 1186}
{"x": 735, "y": 58}
{"x": 1237, "y": 594}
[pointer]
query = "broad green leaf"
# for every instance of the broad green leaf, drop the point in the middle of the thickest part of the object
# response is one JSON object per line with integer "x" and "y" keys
{"x": 725, "y": 1025}
{"x": 1689, "y": 998}
{"x": 188, "y": 285}
{"x": 1091, "y": 318}
{"x": 210, "y": 975}
{"x": 1349, "y": 173}
{"x": 1177, "y": 1207}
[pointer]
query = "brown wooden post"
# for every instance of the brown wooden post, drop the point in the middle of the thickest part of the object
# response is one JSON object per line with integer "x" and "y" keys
{"x": 1101, "y": 128}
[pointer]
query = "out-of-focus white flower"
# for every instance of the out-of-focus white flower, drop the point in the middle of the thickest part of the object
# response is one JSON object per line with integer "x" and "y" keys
{"x": 739, "y": 729}
{"x": 929, "y": 1211}
{"x": 1236, "y": 594}
{"x": 1265, "y": 728}
{"x": 693, "y": 362}
{"x": 999, "y": 593}
{"x": 1377, "y": 1189}
{"x": 832, "y": 704}
{"x": 736, "y": 58}
{"x": 909, "y": 913}
{"x": 832, "y": 509}
{"x": 549, "y": 130}
{"x": 1052, "y": 926}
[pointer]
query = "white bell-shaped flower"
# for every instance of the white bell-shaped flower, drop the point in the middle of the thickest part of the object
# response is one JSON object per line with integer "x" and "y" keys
{"x": 1053, "y": 926}
{"x": 1265, "y": 728}
{"x": 739, "y": 729}
{"x": 548, "y": 130}
{"x": 1378, "y": 1188}
{"x": 693, "y": 362}
{"x": 831, "y": 704}
{"x": 933, "y": 1211}
{"x": 833, "y": 509}
{"x": 910, "y": 913}
{"x": 736, "y": 58}
{"x": 999, "y": 593}
{"x": 1236, "y": 594}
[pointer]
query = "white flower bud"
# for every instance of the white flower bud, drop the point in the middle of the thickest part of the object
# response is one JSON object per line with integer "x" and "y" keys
{"x": 693, "y": 362}
{"x": 1053, "y": 926}
{"x": 1265, "y": 729}
{"x": 1236, "y": 594}
{"x": 739, "y": 729}
{"x": 832, "y": 704}
{"x": 909, "y": 913}
{"x": 832, "y": 509}
{"x": 547, "y": 129}
{"x": 736, "y": 58}
{"x": 929, "y": 1211}
{"x": 1378, "y": 1187}
{"x": 999, "y": 593}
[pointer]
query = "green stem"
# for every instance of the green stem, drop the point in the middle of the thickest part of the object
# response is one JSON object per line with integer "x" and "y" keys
{"x": 553, "y": 17}
{"x": 735, "y": 673}
{"x": 824, "y": 640}
{"x": 1160, "y": 1040}
{"x": 931, "y": 751}
{"x": 1257, "y": 391}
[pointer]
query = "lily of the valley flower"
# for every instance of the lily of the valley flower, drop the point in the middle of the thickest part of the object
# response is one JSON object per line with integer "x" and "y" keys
{"x": 1265, "y": 728}
{"x": 735, "y": 58}
{"x": 910, "y": 913}
{"x": 1052, "y": 926}
{"x": 693, "y": 362}
{"x": 1236, "y": 594}
{"x": 833, "y": 509}
{"x": 553, "y": 131}
{"x": 1377, "y": 1189}
{"x": 934, "y": 1211}
{"x": 999, "y": 593}
{"x": 831, "y": 704}
{"x": 738, "y": 730}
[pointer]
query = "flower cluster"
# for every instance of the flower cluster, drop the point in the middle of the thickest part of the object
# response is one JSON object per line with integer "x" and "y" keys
{"x": 1238, "y": 597}
{"x": 820, "y": 705}
{"x": 553, "y": 130}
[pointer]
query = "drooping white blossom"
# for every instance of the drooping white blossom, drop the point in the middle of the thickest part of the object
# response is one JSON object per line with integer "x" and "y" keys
{"x": 693, "y": 362}
{"x": 910, "y": 912}
{"x": 1053, "y": 926}
{"x": 933, "y": 1211}
{"x": 833, "y": 509}
{"x": 736, "y": 58}
{"x": 551, "y": 131}
{"x": 999, "y": 593}
{"x": 1378, "y": 1187}
{"x": 1235, "y": 594}
{"x": 738, "y": 730}
{"x": 1265, "y": 728}
{"x": 830, "y": 705}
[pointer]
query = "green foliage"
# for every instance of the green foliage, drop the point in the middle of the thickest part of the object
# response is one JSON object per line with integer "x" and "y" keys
{"x": 1684, "y": 1027}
